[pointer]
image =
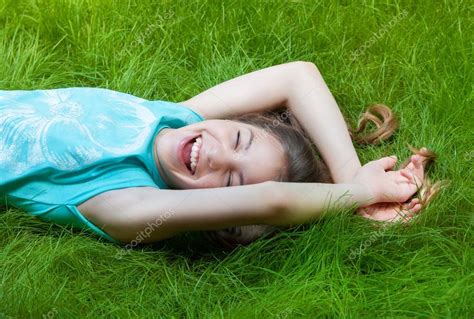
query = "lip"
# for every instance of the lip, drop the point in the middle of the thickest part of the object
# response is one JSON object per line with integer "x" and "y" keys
{"x": 180, "y": 154}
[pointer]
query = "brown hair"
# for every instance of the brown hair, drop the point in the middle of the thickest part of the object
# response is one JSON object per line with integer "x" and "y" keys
{"x": 303, "y": 162}
{"x": 386, "y": 124}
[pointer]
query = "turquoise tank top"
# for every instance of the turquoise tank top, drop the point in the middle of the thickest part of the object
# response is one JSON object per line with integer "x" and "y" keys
{"x": 60, "y": 147}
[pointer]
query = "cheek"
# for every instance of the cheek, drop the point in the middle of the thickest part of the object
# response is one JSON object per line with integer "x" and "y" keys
{"x": 210, "y": 181}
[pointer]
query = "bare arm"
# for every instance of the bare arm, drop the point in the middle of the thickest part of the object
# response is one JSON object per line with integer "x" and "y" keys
{"x": 300, "y": 87}
{"x": 126, "y": 213}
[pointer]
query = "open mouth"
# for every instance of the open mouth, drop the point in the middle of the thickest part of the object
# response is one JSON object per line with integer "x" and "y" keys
{"x": 190, "y": 153}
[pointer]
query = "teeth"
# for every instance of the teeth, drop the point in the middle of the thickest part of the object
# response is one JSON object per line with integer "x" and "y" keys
{"x": 195, "y": 152}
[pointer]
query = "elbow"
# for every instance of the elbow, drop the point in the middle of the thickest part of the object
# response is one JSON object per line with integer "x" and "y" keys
{"x": 305, "y": 76}
{"x": 306, "y": 68}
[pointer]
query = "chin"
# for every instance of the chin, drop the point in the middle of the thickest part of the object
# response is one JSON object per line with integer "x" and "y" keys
{"x": 175, "y": 182}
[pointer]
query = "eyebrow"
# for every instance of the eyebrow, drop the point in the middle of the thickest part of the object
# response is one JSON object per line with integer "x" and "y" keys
{"x": 241, "y": 176}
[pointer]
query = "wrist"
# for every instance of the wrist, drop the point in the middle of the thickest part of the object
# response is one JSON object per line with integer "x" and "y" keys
{"x": 346, "y": 176}
{"x": 364, "y": 195}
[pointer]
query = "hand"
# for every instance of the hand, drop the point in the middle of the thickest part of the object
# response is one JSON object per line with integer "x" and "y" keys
{"x": 415, "y": 170}
{"x": 390, "y": 186}
{"x": 391, "y": 212}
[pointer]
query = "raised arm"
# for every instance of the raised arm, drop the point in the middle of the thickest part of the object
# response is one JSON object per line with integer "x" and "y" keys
{"x": 298, "y": 86}
{"x": 153, "y": 214}
{"x": 127, "y": 213}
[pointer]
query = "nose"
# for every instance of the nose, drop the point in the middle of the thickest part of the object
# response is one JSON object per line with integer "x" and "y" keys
{"x": 219, "y": 159}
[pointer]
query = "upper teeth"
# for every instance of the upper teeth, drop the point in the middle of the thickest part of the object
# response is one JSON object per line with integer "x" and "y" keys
{"x": 195, "y": 153}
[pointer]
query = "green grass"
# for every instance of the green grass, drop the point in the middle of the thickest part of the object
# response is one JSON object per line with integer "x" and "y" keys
{"x": 419, "y": 62}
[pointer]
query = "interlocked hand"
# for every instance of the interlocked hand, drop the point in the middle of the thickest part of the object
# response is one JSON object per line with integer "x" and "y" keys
{"x": 396, "y": 211}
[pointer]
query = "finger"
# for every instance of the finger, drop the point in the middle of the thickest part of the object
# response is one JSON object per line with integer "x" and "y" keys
{"x": 406, "y": 174}
{"x": 414, "y": 210}
{"x": 363, "y": 212}
{"x": 418, "y": 176}
{"x": 412, "y": 214}
{"x": 407, "y": 181}
{"x": 414, "y": 177}
{"x": 387, "y": 162}
{"x": 410, "y": 165}
{"x": 409, "y": 205}
{"x": 420, "y": 163}
{"x": 417, "y": 208}
{"x": 423, "y": 160}
{"x": 417, "y": 161}
{"x": 409, "y": 209}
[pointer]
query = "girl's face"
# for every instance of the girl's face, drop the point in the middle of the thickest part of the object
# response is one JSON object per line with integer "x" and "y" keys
{"x": 225, "y": 153}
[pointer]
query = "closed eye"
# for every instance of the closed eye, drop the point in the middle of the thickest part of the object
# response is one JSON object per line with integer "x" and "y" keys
{"x": 229, "y": 181}
{"x": 237, "y": 143}
{"x": 238, "y": 140}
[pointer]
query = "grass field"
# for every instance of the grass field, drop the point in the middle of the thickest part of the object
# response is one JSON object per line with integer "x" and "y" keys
{"x": 415, "y": 56}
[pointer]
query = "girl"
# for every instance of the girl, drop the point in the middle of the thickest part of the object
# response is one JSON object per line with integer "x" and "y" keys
{"x": 138, "y": 171}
